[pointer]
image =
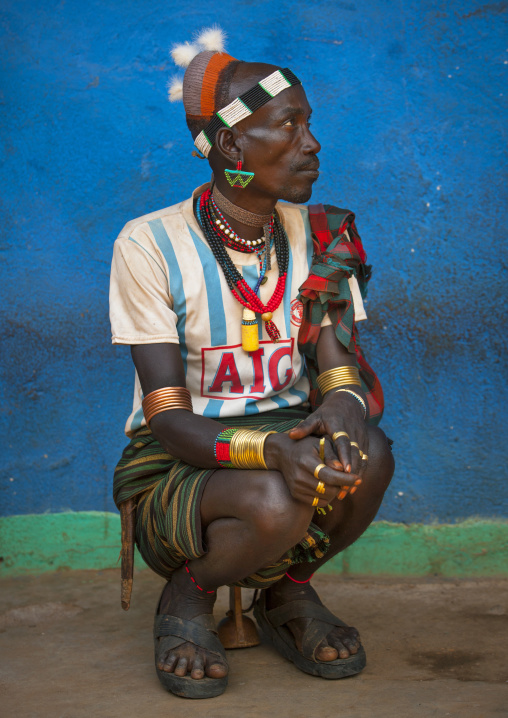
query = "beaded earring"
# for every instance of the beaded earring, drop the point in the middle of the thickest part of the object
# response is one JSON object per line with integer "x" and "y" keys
{"x": 238, "y": 177}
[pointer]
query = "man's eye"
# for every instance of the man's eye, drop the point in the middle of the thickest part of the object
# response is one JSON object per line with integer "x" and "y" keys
{"x": 289, "y": 122}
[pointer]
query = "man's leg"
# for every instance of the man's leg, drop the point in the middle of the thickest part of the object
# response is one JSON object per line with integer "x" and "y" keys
{"x": 249, "y": 521}
{"x": 344, "y": 525}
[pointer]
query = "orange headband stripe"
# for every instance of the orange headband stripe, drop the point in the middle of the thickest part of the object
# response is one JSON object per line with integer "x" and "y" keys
{"x": 217, "y": 63}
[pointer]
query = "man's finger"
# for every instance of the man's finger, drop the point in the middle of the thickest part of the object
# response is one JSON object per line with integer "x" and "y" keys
{"x": 332, "y": 477}
{"x": 344, "y": 452}
{"x": 356, "y": 456}
{"x": 331, "y": 458}
{"x": 306, "y": 428}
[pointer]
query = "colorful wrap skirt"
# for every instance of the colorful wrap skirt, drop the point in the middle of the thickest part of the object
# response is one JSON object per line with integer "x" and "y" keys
{"x": 168, "y": 494}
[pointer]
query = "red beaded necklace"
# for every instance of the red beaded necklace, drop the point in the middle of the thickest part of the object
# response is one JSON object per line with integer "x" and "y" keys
{"x": 239, "y": 287}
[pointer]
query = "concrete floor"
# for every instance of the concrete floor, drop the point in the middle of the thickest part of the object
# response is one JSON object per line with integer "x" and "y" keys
{"x": 435, "y": 648}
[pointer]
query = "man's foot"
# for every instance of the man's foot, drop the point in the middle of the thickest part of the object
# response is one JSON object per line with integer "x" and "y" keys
{"x": 182, "y": 599}
{"x": 341, "y": 642}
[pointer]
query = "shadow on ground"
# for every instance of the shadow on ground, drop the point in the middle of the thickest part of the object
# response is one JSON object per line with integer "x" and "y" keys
{"x": 435, "y": 648}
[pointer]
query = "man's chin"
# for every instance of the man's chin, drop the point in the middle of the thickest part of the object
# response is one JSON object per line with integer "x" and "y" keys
{"x": 296, "y": 195}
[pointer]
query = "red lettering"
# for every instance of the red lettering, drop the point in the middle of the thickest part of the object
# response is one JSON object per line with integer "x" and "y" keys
{"x": 227, "y": 372}
{"x": 273, "y": 368}
{"x": 258, "y": 386}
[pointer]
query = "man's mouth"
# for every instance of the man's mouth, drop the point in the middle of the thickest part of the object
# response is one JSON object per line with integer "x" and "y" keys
{"x": 312, "y": 169}
{"x": 311, "y": 172}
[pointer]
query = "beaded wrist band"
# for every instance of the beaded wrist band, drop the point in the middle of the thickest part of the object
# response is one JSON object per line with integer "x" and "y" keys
{"x": 340, "y": 376}
{"x": 221, "y": 448}
{"x": 169, "y": 397}
{"x": 357, "y": 397}
{"x": 241, "y": 448}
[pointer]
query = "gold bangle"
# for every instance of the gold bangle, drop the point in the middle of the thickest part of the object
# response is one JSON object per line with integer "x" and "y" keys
{"x": 317, "y": 470}
{"x": 315, "y": 502}
{"x": 320, "y": 488}
{"x": 246, "y": 449}
{"x": 165, "y": 399}
{"x": 339, "y": 433}
{"x": 365, "y": 457}
{"x": 340, "y": 376}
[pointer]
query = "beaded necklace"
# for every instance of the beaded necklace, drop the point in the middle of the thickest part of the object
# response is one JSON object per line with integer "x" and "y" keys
{"x": 229, "y": 236}
{"x": 240, "y": 289}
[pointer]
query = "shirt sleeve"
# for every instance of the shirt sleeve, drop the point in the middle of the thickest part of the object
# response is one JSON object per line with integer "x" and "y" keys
{"x": 140, "y": 303}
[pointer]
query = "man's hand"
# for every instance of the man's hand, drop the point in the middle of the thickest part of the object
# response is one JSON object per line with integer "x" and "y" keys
{"x": 297, "y": 461}
{"x": 340, "y": 412}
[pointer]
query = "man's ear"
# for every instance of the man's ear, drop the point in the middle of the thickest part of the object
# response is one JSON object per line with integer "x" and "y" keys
{"x": 227, "y": 145}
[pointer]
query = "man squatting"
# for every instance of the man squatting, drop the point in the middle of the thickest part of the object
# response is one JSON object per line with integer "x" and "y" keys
{"x": 254, "y": 454}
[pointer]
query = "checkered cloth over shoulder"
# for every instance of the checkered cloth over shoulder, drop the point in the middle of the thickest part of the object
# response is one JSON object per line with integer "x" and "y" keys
{"x": 338, "y": 255}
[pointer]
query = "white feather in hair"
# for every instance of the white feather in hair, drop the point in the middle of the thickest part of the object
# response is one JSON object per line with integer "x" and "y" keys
{"x": 184, "y": 53}
{"x": 175, "y": 89}
{"x": 212, "y": 38}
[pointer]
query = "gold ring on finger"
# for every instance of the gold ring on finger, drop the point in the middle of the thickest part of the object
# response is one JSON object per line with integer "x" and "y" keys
{"x": 339, "y": 433}
{"x": 317, "y": 470}
{"x": 353, "y": 443}
{"x": 315, "y": 501}
{"x": 322, "y": 448}
{"x": 320, "y": 488}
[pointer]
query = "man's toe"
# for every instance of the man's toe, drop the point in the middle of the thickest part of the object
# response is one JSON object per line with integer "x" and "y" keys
{"x": 167, "y": 662}
{"x": 325, "y": 652}
{"x": 216, "y": 670}
{"x": 351, "y": 644}
{"x": 181, "y": 667}
{"x": 340, "y": 646}
{"x": 198, "y": 668}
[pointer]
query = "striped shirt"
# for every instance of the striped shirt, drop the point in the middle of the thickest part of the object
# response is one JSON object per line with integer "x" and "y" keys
{"x": 166, "y": 287}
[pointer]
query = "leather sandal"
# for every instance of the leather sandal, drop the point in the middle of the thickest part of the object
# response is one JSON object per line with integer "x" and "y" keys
{"x": 272, "y": 626}
{"x": 170, "y": 632}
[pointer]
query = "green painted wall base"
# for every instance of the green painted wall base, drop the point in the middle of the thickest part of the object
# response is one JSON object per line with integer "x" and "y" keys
{"x": 36, "y": 543}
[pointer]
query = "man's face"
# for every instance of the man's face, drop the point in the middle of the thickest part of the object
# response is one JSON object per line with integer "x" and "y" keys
{"x": 280, "y": 149}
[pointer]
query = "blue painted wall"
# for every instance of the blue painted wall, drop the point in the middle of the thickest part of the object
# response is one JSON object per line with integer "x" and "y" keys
{"x": 409, "y": 105}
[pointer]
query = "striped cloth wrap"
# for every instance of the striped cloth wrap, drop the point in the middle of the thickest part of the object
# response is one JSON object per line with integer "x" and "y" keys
{"x": 168, "y": 494}
{"x": 337, "y": 257}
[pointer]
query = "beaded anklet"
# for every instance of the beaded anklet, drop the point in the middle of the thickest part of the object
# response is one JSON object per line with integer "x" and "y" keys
{"x": 294, "y": 579}
{"x": 194, "y": 580}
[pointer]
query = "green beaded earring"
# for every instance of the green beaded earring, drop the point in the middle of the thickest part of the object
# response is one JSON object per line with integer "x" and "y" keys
{"x": 238, "y": 177}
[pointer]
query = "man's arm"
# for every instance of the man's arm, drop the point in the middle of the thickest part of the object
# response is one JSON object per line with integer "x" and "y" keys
{"x": 191, "y": 437}
{"x": 339, "y": 411}
{"x": 186, "y": 436}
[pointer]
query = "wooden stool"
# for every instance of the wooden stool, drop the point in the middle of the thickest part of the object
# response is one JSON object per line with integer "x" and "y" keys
{"x": 237, "y": 630}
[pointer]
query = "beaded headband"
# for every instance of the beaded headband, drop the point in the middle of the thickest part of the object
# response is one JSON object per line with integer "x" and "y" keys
{"x": 245, "y": 105}
{"x": 205, "y": 60}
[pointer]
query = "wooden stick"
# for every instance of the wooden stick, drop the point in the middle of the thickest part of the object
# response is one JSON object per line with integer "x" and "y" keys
{"x": 235, "y": 605}
{"x": 128, "y": 523}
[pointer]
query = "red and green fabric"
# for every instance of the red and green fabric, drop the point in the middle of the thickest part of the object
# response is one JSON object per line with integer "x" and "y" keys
{"x": 326, "y": 290}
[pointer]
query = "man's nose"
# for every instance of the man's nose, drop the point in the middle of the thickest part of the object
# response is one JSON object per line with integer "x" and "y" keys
{"x": 311, "y": 145}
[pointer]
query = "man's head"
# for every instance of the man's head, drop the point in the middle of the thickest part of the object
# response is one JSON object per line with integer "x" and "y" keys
{"x": 274, "y": 141}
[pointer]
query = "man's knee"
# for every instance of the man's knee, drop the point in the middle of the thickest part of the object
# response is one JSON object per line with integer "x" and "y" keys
{"x": 381, "y": 462}
{"x": 274, "y": 512}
